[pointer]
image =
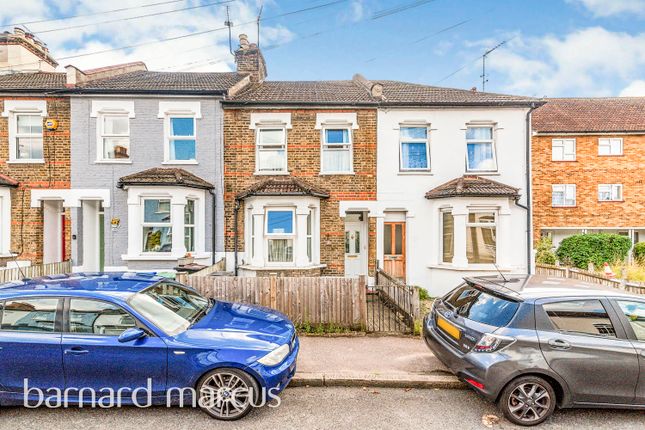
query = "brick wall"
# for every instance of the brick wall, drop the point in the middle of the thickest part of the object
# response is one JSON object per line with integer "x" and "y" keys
{"x": 27, "y": 222}
{"x": 587, "y": 172}
{"x": 303, "y": 149}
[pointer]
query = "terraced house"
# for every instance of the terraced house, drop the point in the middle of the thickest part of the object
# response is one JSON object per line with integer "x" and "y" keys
{"x": 34, "y": 153}
{"x": 587, "y": 167}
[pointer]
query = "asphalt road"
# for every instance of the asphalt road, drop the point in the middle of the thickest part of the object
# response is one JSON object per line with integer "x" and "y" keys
{"x": 322, "y": 408}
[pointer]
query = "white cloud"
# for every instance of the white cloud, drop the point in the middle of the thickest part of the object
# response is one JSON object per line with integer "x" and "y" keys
{"x": 205, "y": 52}
{"x": 605, "y": 8}
{"x": 590, "y": 62}
{"x": 634, "y": 89}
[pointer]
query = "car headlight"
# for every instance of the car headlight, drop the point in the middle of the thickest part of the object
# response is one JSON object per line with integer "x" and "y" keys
{"x": 276, "y": 356}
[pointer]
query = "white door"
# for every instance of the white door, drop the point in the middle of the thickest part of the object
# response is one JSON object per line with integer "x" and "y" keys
{"x": 355, "y": 244}
{"x": 53, "y": 231}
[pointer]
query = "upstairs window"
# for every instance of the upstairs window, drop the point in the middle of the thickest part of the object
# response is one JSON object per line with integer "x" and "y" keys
{"x": 563, "y": 195}
{"x": 181, "y": 139}
{"x": 29, "y": 137}
{"x": 610, "y": 146}
{"x": 480, "y": 149}
{"x": 336, "y": 150}
{"x": 157, "y": 225}
{"x": 115, "y": 137}
{"x": 415, "y": 149}
{"x": 610, "y": 192}
{"x": 563, "y": 149}
{"x": 271, "y": 154}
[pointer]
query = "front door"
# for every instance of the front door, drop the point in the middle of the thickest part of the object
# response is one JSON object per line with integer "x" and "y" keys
{"x": 53, "y": 231}
{"x": 583, "y": 341}
{"x": 355, "y": 244}
{"x": 94, "y": 358}
{"x": 394, "y": 249}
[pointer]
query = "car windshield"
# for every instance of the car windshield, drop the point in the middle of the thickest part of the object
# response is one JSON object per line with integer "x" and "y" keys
{"x": 170, "y": 307}
{"x": 476, "y": 305}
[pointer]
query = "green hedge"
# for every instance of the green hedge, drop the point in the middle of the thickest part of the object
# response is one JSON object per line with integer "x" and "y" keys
{"x": 639, "y": 252}
{"x": 581, "y": 249}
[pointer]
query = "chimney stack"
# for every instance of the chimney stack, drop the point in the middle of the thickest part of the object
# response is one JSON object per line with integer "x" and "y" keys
{"x": 249, "y": 59}
{"x": 22, "y": 52}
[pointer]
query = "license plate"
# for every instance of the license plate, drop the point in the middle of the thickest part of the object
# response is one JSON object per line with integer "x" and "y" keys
{"x": 448, "y": 328}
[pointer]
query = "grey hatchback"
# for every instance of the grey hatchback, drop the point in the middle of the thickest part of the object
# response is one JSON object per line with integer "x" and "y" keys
{"x": 531, "y": 343}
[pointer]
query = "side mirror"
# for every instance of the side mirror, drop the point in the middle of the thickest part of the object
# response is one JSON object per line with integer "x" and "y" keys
{"x": 131, "y": 334}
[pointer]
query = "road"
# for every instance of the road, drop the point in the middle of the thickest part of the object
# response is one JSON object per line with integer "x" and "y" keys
{"x": 322, "y": 408}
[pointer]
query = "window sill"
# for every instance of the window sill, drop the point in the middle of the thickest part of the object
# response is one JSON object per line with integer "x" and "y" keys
{"x": 113, "y": 162}
{"x": 26, "y": 161}
{"x": 564, "y": 161}
{"x": 261, "y": 173}
{"x": 611, "y": 201}
{"x": 415, "y": 173}
{"x": 482, "y": 173}
{"x": 470, "y": 268}
{"x": 179, "y": 162}
{"x": 337, "y": 174}
{"x": 162, "y": 256}
{"x": 564, "y": 207}
{"x": 611, "y": 155}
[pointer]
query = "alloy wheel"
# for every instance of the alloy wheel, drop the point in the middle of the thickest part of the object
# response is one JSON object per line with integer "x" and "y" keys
{"x": 225, "y": 395}
{"x": 529, "y": 402}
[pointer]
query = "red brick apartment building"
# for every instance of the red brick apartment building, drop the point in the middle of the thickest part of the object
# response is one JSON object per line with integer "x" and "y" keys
{"x": 588, "y": 167}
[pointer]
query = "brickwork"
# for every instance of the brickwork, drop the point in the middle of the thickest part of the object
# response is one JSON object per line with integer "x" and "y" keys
{"x": 303, "y": 149}
{"x": 27, "y": 222}
{"x": 587, "y": 172}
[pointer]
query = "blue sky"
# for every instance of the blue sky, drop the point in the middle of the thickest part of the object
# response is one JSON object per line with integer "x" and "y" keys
{"x": 554, "y": 48}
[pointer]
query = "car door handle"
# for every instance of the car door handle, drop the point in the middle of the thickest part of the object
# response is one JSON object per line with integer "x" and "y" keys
{"x": 76, "y": 350}
{"x": 559, "y": 344}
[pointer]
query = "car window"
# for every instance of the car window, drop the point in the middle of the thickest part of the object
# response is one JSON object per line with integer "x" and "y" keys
{"x": 33, "y": 314}
{"x": 580, "y": 316}
{"x": 97, "y": 317}
{"x": 635, "y": 313}
{"x": 476, "y": 305}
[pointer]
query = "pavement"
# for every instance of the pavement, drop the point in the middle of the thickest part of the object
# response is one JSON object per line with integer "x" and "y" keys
{"x": 370, "y": 361}
{"x": 322, "y": 408}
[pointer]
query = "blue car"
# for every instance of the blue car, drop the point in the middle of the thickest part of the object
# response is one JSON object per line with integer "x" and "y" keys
{"x": 131, "y": 338}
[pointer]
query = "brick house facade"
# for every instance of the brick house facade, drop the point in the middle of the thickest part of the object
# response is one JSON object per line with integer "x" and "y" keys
{"x": 28, "y": 217}
{"x": 587, "y": 170}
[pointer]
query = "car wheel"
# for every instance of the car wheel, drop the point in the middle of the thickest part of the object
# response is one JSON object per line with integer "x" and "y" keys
{"x": 527, "y": 401}
{"x": 227, "y": 394}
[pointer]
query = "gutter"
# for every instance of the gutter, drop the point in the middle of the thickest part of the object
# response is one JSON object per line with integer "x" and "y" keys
{"x": 214, "y": 214}
{"x": 529, "y": 229}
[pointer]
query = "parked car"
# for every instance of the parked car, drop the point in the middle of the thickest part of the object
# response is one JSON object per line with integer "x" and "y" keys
{"x": 534, "y": 343}
{"x": 140, "y": 334}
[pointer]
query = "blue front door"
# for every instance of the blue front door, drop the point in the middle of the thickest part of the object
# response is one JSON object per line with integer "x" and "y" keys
{"x": 30, "y": 347}
{"x": 94, "y": 358}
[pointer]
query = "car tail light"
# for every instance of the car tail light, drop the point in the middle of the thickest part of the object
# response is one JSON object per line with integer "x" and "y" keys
{"x": 475, "y": 384}
{"x": 492, "y": 342}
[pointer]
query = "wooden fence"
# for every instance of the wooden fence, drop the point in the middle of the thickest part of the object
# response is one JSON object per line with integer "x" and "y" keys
{"x": 591, "y": 277}
{"x": 308, "y": 300}
{"x": 17, "y": 274}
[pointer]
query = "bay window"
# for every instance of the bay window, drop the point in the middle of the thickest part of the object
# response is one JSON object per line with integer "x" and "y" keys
{"x": 279, "y": 235}
{"x": 336, "y": 150}
{"x": 114, "y": 136}
{"x": 189, "y": 225}
{"x": 480, "y": 146}
{"x": 415, "y": 148}
{"x": 157, "y": 225}
{"x": 448, "y": 237}
{"x": 481, "y": 238}
{"x": 271, "y": 150}
{"x": 310, "y": 235}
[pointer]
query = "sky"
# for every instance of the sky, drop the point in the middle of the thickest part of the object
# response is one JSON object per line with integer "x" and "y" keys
{"x": 552, "y": 48}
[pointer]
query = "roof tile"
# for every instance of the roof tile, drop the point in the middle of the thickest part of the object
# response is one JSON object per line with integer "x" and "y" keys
{"x": 165, "y": 176}
{"x": 283, "y": 186}
{"x": 472, "y": 186}
{"x": 32, "y": 81}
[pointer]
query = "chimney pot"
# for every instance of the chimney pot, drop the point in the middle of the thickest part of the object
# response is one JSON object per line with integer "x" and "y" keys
{"x": 244, "y": 41}
{"x": 249, "y": 59}
{"x": 473, "y": 89}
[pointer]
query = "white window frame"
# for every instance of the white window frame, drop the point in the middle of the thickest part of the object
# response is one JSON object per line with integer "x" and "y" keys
{"x": 615, "y": 192}
{"x": 441, "y": 235}
{"x": 309, "y": 235}
{"x": 566, "y": 189}
{"x": 349, "y": 147}
{"x": 426, "y": 141}
{"x": 193, "y": 225}
{"x": 259, "y": 147}
{"x": 144, "y": 224}
{"x": 168, "y": 137}
{"x": 179, "y": 109}
{"x": 563, "y": 143}
{"x": 14, "y": 108}
{"x": 287, "y": 236}
{"x": 606, "y": 142}
{"x": 101, "y": 135}
{"x": 494, "y": 224}
{"x": 491, "y": 141}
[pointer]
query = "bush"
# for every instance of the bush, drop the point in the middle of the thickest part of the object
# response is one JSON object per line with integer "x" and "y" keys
{"x": 544, "y": 251}
{"x": 639, "y": 252}
{"x": 581, "y": 249}
{"x": 423, "y": 294}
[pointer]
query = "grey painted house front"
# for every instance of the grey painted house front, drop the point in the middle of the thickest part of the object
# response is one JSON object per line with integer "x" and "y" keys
{"x": 146, "y": 161}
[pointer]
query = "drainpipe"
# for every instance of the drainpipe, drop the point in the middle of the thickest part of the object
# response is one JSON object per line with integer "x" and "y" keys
{"x": 236, "y": 210}
{"x": 213, "y": 238}
{"x": 529, "y": 232}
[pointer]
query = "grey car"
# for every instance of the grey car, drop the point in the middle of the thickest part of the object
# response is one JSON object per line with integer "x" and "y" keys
{"x": 534, "y": 343}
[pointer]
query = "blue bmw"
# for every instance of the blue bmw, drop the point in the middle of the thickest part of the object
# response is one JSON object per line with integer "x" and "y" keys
{"x": 142, "y": 338}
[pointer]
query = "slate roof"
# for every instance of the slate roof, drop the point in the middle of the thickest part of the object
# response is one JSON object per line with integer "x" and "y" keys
{"x": 164, "y": 176}
{"x": 355, "y": 92}
{"x": 30, "y": 82}
{"x": 6, "y": 181}
{"x": 283, "y": 186}
{"x": 472, "y": 186}
{"x": 612, "y": 114}
{"x": 143, "y": 81}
